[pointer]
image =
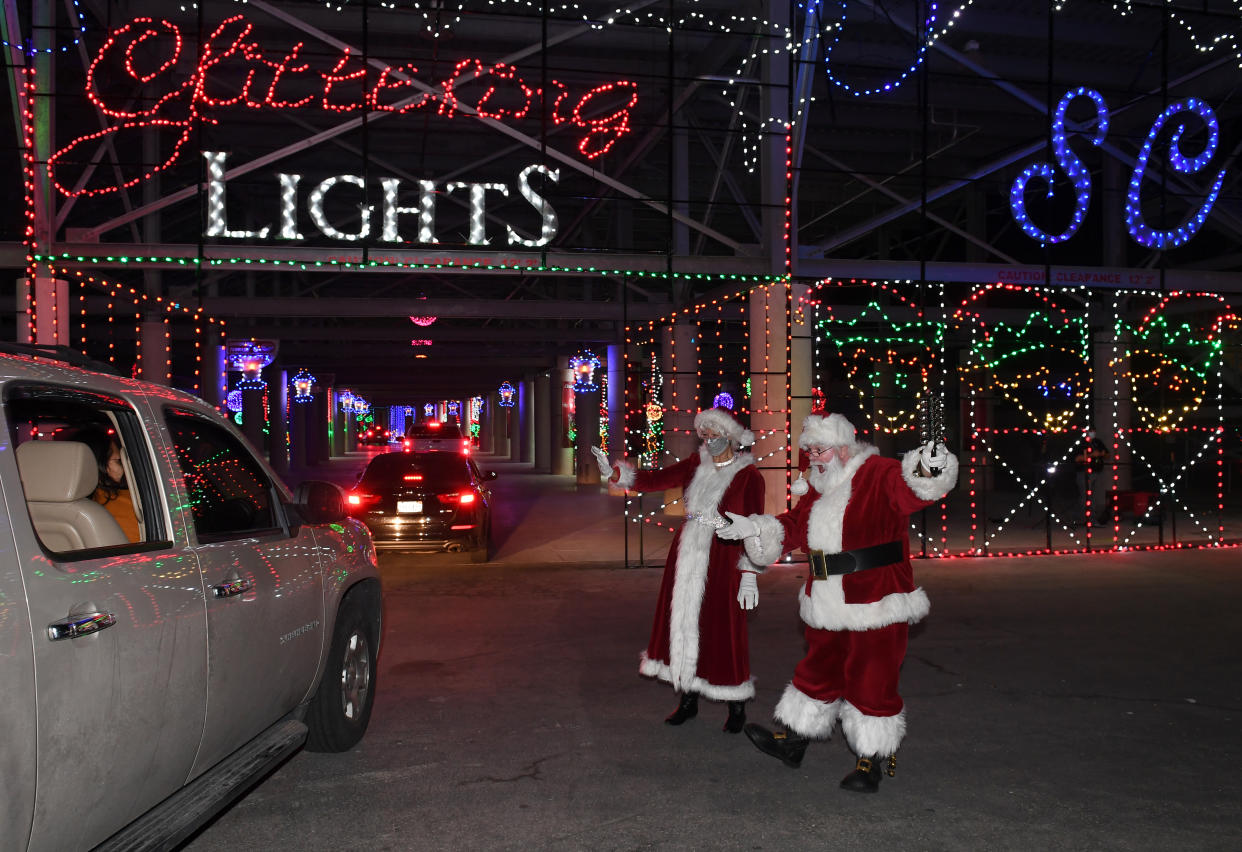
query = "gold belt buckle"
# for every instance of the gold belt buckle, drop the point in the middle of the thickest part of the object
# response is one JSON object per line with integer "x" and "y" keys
{"x": 819, "y": 564}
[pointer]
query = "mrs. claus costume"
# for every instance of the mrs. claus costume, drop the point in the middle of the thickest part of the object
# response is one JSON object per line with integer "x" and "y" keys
{"x": 698, "y": 639}
{"x": 859, "y": 598}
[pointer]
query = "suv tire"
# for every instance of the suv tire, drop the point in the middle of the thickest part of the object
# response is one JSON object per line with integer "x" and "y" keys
{"x": 341, "y": 708}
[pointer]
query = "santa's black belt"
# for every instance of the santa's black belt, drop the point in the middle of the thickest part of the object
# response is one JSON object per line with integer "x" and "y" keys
{"x": 825, "y": 565}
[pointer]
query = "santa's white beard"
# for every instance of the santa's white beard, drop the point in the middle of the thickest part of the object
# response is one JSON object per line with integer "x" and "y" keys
{"x": 826, "y": 476}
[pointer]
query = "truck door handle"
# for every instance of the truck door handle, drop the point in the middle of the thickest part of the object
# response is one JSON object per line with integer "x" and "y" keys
{"x": 233, "y": 586}
{"x": 83, "y": 624}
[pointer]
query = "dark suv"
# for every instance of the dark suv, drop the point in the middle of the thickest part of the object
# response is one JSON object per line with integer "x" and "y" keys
{"x": 425, "y": 501}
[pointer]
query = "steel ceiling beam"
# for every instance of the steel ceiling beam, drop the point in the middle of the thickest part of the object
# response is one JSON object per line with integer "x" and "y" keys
{"x": 387, "y": 308}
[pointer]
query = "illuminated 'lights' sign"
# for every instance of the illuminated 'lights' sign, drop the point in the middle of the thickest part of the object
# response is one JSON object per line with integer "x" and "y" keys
{"x": 177, "y": 104}
{"x": 390, "y": 210}
{"x": 1080, "y": 177}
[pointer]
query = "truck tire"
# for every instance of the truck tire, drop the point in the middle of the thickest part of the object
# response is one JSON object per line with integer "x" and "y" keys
{"x": 341, "y": 708}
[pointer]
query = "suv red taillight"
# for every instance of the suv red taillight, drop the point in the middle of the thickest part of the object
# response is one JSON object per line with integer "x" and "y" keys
{"x": 459, "y": 498}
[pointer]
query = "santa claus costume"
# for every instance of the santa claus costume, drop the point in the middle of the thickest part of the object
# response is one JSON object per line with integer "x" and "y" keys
{"x": 699, "y": 641}
{"x": 859, "y": 598}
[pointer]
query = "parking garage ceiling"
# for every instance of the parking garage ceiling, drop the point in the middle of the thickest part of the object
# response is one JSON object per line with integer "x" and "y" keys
{"x": 535, "y": 176}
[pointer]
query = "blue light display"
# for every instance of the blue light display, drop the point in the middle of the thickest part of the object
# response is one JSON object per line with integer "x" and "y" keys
{"x": 926, "y": 38}
{"x": 1070, "y": 164}
{"x": 1139, "y": 230}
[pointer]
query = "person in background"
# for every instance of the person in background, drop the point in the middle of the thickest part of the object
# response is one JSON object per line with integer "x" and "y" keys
{"x": 859, "y": 601}
{"x": 113, "y": 491}
{"x": 699, "y": 641}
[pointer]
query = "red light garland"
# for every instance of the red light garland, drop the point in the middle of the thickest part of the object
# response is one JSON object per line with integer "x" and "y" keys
{"x": 231, "y": 43}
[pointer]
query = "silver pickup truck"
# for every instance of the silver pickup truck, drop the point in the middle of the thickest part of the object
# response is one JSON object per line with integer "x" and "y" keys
{"x": 174, "y": 621}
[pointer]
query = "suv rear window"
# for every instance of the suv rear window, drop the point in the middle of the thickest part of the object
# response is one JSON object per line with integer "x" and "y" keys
{"x": 438, "y": 468}
{"x": 445, "y": 430}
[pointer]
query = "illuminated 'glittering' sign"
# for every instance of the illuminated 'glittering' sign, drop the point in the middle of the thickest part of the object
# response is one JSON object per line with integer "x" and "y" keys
{"x": 188, "y": 93}
{"x": 1080, "y": 177}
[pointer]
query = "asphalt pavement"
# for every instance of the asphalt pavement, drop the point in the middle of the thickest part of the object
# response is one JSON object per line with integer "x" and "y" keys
{"x": 1053, "y": 702}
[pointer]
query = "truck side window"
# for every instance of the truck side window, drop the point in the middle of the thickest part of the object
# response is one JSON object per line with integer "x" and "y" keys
{"x": 230, "y": 495}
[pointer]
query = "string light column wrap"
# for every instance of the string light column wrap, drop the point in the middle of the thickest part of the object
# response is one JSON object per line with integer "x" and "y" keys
{"x": 770, "y": 316}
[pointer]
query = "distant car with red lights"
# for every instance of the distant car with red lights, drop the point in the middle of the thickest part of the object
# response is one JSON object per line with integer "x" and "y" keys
{"x": 429, "y": 501}
{"x": 374, "y": 436}
{"x": 432, "y": 436}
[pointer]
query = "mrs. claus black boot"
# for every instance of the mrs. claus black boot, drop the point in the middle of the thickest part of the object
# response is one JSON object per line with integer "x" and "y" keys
{"x": 865, "y": 778}
{"x": 687, "y": 708}
{"x": 737, "y": 717}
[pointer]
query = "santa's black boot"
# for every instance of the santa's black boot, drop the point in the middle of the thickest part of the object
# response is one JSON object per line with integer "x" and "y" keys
{"x": 687, "y": 708}
{"x": 865, "y": 778}
{"x": 737, "y": 717}
{"x": 786, "y": 747}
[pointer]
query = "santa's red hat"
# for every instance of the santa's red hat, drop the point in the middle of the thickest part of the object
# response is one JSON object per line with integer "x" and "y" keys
{"x": 831, "y": 431}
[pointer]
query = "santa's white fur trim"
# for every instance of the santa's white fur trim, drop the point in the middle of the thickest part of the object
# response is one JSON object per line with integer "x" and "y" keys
{"x": 824, "y": 523}
{"x": 702, "y": 497}
{"x": 766, "y": 547}
{"x": 656, "y": 669}
{"x": 872, "y": 736}
{"x": 806, "y": 716}
{"x": 831, "y": 431}
{"x": 745, "y": 563}
{"x": 825, "y": 608}
{"x": 929, "y": 487}
{"x": 628, "y": 472}
{"x": 799, "y": 486}
{"x": 721, "y": 421}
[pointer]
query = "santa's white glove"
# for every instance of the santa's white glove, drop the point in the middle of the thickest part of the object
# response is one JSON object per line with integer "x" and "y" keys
{"x": 935, "y": 462}
{"x": 601, "y": 459}
{"x": 748, "y": 591}
{"x": 742, "y": 527}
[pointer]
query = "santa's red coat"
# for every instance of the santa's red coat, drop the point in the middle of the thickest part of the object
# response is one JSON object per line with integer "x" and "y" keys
{"x": 873, "y": 506}
{"x": 698, "y": 638}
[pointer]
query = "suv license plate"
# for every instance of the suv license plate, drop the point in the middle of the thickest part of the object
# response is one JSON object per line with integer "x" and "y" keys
{"x": 409, "y": 506}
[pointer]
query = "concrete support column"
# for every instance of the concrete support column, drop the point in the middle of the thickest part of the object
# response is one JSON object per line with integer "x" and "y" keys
{"x": 154, "y": 366}
{"x": 338, "y": 422}
{"x": 504, "y": 428}
{"x": 253, "y": 412}
{"x": 47, "y": 299}
{"x": 299, "y": 428}
{"x": 679, "y": 364}
{"x": 1114, "y": 412}
{"x": 321, "y": 421}
{"x": 769, "y": 390}
{"x": 801, "y": 364}
{"x": 586, "y": 418}
{"x": 616, "y": 401}
{"x": 277, "y": 406}
{"x": 521, "y": 448}
{"x": 214, "y": 381}
{"x": 680, "y": 367}
{"x": 351, "y": 430}
{"x": 543, "y": 422}
{"x": 562, "y": 455}
{"x": 487, "y": 423}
